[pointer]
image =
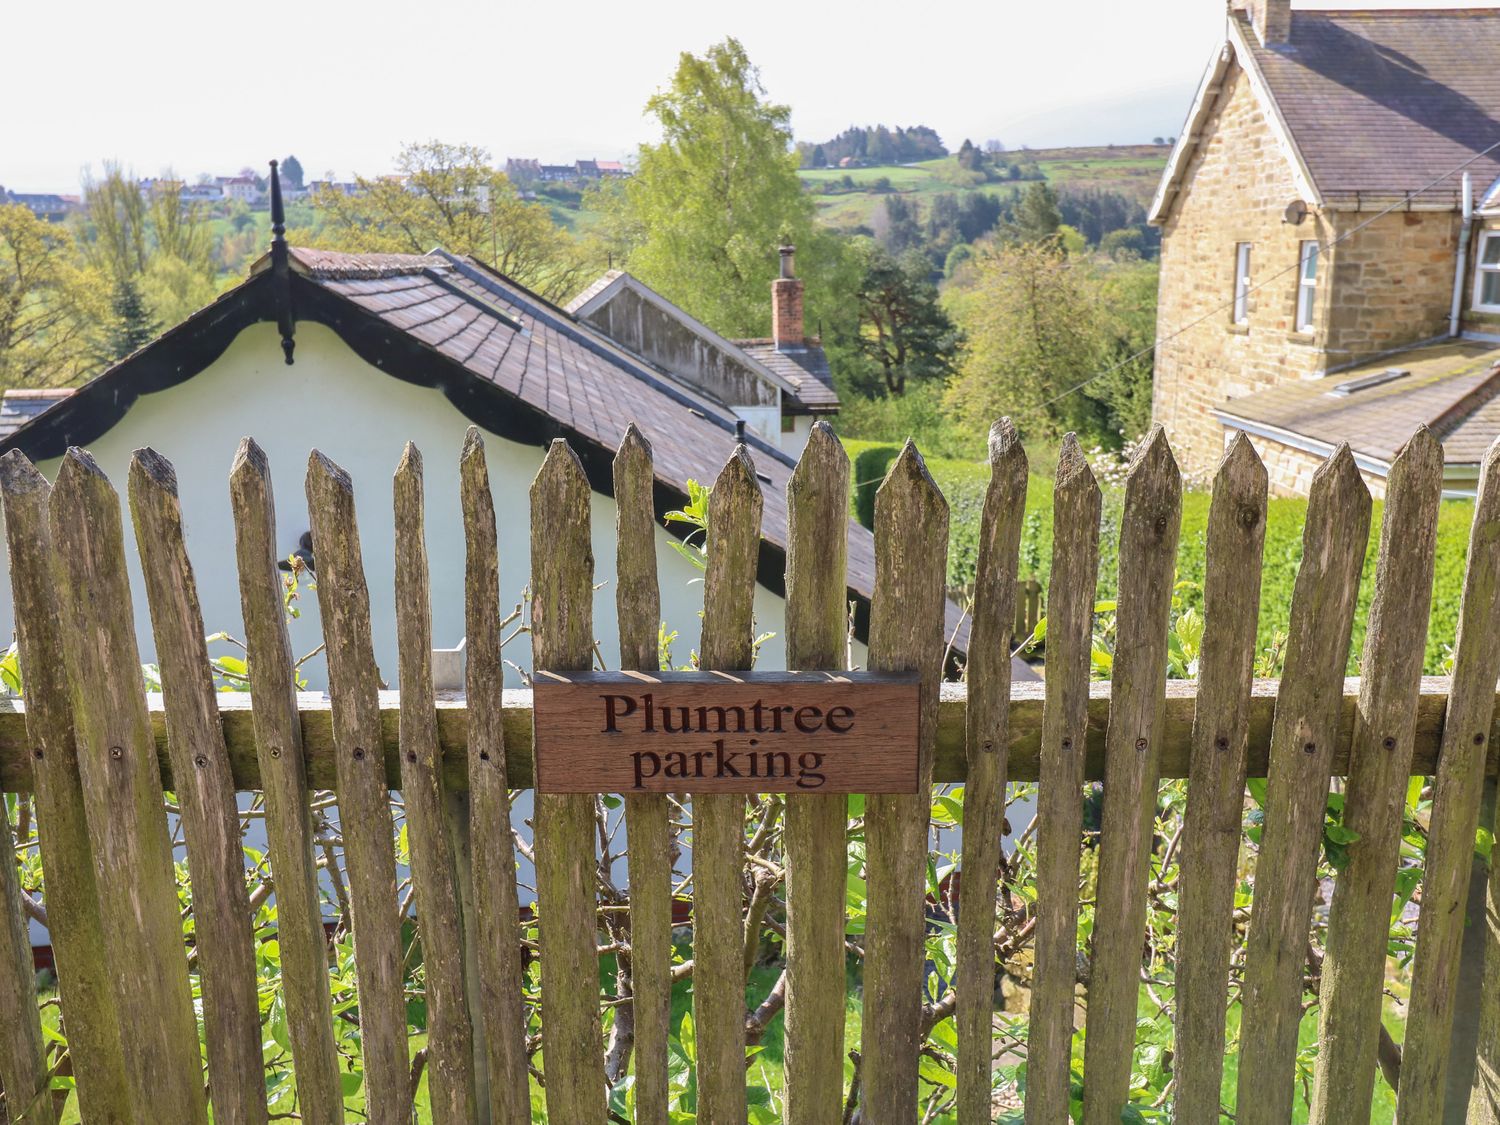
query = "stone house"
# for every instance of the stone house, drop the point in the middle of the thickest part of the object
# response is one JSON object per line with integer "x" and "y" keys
{"x": 1330, "y": 265}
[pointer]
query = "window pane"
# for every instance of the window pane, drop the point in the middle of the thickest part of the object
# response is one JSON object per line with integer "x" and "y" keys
{"x": 1309, "y": 261}
{"x": 1489, "y": 288}
{"x": 1491, "y": 251}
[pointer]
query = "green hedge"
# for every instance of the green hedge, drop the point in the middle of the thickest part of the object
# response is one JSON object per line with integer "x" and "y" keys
{"x": 963, "y": 483}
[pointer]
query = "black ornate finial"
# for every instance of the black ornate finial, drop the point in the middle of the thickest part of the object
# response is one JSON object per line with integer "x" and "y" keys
{"x": 281, "y": 267}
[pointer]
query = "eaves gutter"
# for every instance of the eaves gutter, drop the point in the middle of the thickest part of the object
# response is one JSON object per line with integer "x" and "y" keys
{"x": 1464, "y": 476}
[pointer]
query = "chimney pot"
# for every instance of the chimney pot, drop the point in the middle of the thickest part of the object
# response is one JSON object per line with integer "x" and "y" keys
{"x": 787, "y": 269}
{"x": 1271, "y": 19}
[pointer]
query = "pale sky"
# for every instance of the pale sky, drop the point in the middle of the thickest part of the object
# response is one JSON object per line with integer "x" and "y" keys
{"x": 212, "y": 87}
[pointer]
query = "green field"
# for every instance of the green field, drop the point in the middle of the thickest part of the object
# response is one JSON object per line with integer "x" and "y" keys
{"x": 1132, "y": 170}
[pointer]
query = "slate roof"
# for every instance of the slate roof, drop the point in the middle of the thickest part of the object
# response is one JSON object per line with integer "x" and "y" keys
{"x": 805, "y": 368}
{"x": 500, "y": 332}
{"x": 1452, "y": 387}
{"x": 20, "y": 406}
{"x": 1381, "y": 103}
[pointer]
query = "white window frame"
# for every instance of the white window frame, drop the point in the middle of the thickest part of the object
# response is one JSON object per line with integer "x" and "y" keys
{"x": 1483, "y": 270}
{"x": 1242, "y": 283}
{"x": 1307, "y": 284}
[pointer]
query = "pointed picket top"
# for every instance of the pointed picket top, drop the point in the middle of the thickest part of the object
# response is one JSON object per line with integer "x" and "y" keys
{"x": 149, "y": 469}
{"x": 562, "y": 562}
{"x": 473, "y": 443}
{"x": 324, "y": 472}
{"x": 1074, "y": 475}
{"x": 411, "y": 461}
{"x": 1337, "y": 474}
{"x": 19, "y": 476}
{"x": 561, "y": 471}
{"x": 738, "y": 474}
{"x": 734, "y": 513}
{"x": 1153, "y": 471}
{"x": 822, "y": 459}
{"x": 250, "y": 461}
{"x": 80, "y": 481}
{"x": 909, "y": 483}
{"x": 1005, "y": 443}
{"x": 1422, "y": 454}
{"x": 633, "y": 443}
{"x": 1241, "y": 468}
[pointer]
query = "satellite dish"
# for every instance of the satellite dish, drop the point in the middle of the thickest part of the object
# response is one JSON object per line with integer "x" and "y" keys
{"x": 1295, "y": 212}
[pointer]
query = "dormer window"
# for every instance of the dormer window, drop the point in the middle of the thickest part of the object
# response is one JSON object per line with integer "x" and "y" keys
{"x": 1242, "y": 283}
{"x": 1307, "y": 285}
{"x": 1487, "y": 273}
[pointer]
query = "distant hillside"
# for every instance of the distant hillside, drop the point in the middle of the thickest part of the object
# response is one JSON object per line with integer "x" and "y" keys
{"x": 848, "y": 198}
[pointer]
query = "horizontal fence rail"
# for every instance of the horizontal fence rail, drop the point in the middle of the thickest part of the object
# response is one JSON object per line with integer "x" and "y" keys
{"x": 574, "y": 1007}
{"x": 950, "y": 765}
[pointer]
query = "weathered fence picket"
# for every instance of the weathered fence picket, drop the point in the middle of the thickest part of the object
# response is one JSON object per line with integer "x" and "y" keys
{"x": 906, "y": 635}
{"x": 987, "y": 739}
{"x": 1216, "y": 785}
{"x": 1354, "y": 953}
{"x": 289, "y": 832}
{"x": 1302, "y": 740}
{"x": 364, "y": 801}
{"x": 728, "y": 644}
{"x": 1132, "y": 749}
{"x": 1076, "y": 504}
{"x": 57, "y": 794}
{"x": 205, "y": 797}
{"x": 816, "y": 851}
{"x": 97, "y": 754}
{"x": 494, "y": 928}
{"x": 450, "y": 1039}
{"x": 122, "y": 789}
{"x": 562, "y": 639}
{"x": 1450, "y": 844}
{"x": 647, "y": 816}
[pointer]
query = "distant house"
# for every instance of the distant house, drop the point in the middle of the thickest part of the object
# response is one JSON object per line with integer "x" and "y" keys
{"x": 523, "y": 171}
{"x": 777, "y": 386}
{"x": 610, "y": 168}
{"x": 1330, "y": 266}
{"x": 558, "y": 172}
{"x": 202, "y": 193}
{"x": 20, "y": 405}
{"x": 588, "y": 169}
{"x": 45, "y": 206}
{"x": 241, "y": 188}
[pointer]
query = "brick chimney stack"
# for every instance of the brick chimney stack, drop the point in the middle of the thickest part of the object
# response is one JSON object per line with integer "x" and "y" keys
{"x": 1272, "y": 19}
{"x": 786, "y": 306}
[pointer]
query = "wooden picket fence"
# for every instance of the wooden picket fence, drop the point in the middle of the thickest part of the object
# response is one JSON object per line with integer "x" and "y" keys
{"x": 88, "y": 754}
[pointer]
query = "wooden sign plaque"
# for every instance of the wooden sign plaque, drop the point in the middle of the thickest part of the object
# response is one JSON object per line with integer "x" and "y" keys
{"x": 725, "y": 732}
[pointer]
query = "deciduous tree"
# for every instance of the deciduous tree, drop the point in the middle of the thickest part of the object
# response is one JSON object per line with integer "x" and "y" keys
{"x": 451, "y": 196}
{"x": 51, "y": 309}
{"x": 701, "y": 219}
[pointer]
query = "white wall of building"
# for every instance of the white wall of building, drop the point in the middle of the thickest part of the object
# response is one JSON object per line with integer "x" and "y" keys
{"x": 332, "y": 400}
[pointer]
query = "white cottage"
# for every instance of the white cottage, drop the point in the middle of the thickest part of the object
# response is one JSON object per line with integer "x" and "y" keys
{"x": 356, "y": 354}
